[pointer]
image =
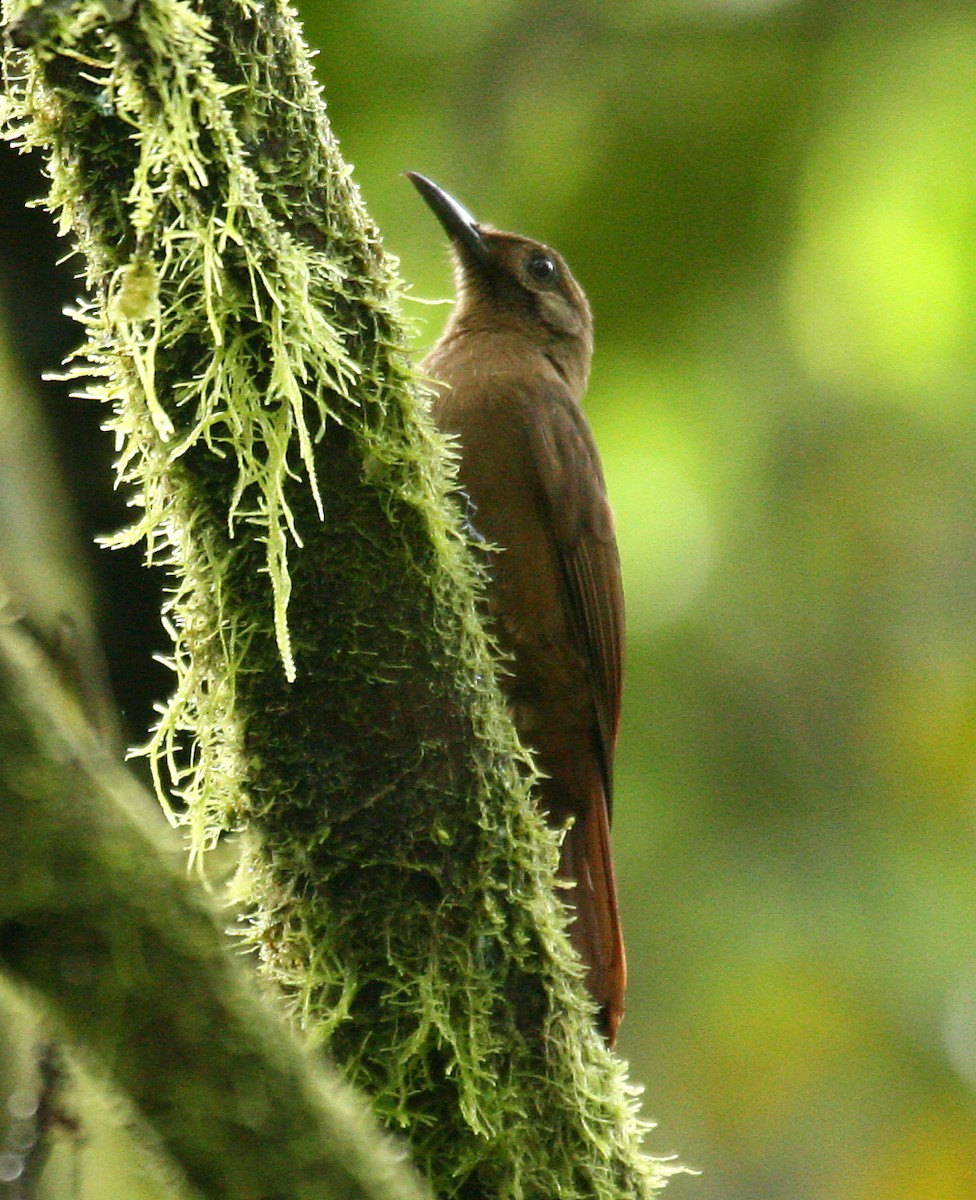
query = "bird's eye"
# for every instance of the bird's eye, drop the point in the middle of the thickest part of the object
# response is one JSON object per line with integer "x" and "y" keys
{"x": 541, "y": 268}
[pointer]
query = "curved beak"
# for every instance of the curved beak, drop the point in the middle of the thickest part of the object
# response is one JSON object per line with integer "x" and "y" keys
{"x": 460, "y": 225}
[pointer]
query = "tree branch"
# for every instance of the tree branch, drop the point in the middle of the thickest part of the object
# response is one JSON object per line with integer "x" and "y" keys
{"x": 98, "y": 916}
{"x": 336, "y": 695}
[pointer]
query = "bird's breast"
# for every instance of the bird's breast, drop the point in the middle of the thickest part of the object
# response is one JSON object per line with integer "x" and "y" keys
{"x": 499, "y": 475}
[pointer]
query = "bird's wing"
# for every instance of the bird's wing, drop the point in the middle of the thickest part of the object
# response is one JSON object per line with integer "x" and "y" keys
{"x": 570, "y": 475}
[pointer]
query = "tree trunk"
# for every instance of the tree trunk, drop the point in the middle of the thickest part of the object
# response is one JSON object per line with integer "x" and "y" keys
{"x": 336, "y": 696}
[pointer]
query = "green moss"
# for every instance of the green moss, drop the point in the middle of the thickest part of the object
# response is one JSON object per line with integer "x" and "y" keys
{"x": 336, "y": 695}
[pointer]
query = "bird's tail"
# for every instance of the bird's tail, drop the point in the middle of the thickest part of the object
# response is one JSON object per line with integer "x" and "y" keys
{"x": 595, "y": 932}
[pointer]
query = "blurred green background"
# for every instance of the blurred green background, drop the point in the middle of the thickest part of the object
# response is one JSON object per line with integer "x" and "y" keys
{"x": 772, "y": 207}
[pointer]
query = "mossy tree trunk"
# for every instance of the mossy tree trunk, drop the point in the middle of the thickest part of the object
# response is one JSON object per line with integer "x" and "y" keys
{"x": 99, "y": 918}
{"x": 336, "y": 696}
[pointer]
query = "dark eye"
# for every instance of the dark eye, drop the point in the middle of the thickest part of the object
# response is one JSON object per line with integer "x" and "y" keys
{"x": 541, "y": 268}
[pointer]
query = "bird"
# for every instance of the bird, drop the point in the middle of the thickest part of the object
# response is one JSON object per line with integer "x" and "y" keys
{"x": 509, "y": 374}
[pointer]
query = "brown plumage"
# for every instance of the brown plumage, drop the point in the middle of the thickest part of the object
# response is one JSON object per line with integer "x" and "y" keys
{"x": 513, "y": 365}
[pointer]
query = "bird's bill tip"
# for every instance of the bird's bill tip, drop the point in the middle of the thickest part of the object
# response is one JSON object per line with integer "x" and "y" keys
{"x": 458, "y": 223}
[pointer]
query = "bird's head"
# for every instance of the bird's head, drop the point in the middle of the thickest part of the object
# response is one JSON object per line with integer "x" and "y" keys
{"x": 511, "y": 283}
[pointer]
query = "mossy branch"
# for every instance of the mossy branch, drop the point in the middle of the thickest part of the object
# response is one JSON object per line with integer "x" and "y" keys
{"x": 98, "y": 917}
{"x": 336, "y": 695}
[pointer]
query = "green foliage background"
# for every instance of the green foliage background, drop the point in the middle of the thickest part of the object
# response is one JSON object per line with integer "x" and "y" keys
{"x": 773, "y": 209}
